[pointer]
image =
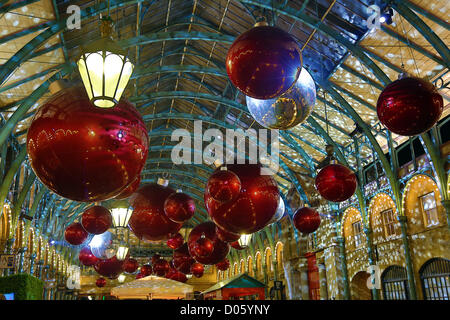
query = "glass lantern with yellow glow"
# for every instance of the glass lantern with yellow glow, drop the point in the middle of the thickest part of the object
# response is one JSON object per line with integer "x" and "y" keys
{"x": 105, "y": 68}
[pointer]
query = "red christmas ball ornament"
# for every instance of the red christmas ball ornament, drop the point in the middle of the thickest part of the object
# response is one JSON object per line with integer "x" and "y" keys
{"x": 182, "y": 260}
{"x": 161, "y": 267}
{"x": 306, "y": 220}
{"x": 409, "y": 106}
{"x": 87, "y": 258}
{"x": 223, "y": 265}
{"x": 96, "y": 220}
{"x": 203, "y": 247}
{"x": 175, "y": 241}
{"x": 336, "y": 182}
{"x": 85, "y": 153}
{"x": 255, "y": 205}
{"x": 236, "y": 245}
{"x": 223, "y": 185}
{"x": 226, "y": 235}
{"x": 101, "y": 282}
{"x": 155, "y": 258}
{"x": 179, "y": 207}
{"x": 75, "y": 234}
{"x": 176, "y": 276}
{"x": 264, "y": 62}
{"x": 146, "y": 270}
{"x": 149, "y": 222}
{"x": 110, "y": 268}
{"x": 197, "y": 270}
{"x": 128, "y": 191}
{"x": 130, "y": 265}
{"x": 139, "y": 276}
{"x": 208, "y": 230}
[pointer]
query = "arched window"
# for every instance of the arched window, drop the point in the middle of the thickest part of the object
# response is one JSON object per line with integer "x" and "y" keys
{"x": 268, "y": 261}
{"x": 258, "y": 264}
{"x": 395, "y": 283}
{"x": 236, "y": 269}
{"x": 435, "y": 277}
{"x": 250, "y": 265}
{"x": 279, "y": 256}
{"x": 352, "y": 229}
{"x": 242, "y": 266}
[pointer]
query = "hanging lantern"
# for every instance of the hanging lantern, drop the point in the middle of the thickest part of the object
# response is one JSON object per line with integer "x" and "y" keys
{"x": 223, "y": 185}
{"x": 100, "y": 282}
{"x": 122, "y": 252}
{"x": 96, "y": 220}
{"x": 306, "y": 220}
{"x": 336, "y": 182}
{"x": 75, "y": 234}
{"x": 105, "y": 68}
{"x": 121, "y": 278}
{"x": 121, "y": 216}
{"x": 176, "y": 241}
{"x": 179, "y": 207}
{"x": 244, "y": 240}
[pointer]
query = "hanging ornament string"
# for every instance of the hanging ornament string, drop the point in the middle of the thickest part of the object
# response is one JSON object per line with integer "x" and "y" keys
{"x": 409, "y": 46}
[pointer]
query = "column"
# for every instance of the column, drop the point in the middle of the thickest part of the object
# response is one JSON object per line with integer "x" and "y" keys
{"x": 323, "y": 282}
{"x": 40, "y": 268}
{"x": 32, "y": 258}
{"x": 409, "y": 265}
{"x": 372, "y": 260}
{"x": 446, "y": 205}
{"x": 292, "y": 277}
{"x": 304, "y": 288}
{"x": 275, "y": 278}
{"x": 343, "y": 260}
{"x": 21, "y": 255}
{"x": 266, "y": 281}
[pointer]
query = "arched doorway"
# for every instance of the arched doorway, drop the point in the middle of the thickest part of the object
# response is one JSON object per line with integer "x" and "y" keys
{"x": 395, "y": 283}
{"x": 435, "y": 278}
{"x": 358, "y": 287}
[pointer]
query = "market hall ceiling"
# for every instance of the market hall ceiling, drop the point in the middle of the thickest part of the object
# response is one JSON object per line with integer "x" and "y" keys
{"x": 179, "y": 49}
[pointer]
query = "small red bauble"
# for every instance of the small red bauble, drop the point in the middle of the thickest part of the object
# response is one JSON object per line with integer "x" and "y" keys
{"x": 227, "y": 236}
{"x": 336, "y": 182}
{"x": 101, "y": 282}
{"x": 161, "y": 267}
{"x": 156, "y": 258}
{"x": 110, "y": 268}
{"x": 85, "y": 153}
{"x": 223, "y": 186}
{"x": 149, "y": 221}
{"x": 176, "y": 276}
{"x": 306, "y": 220}
{"x": 175, "y": 241}
{"x": 264, "y": 62}
{"x": 409, "y": 106}
{"x": 182, "y": 260}
{"x": 197, "y": 270}
{"x": 236, "y": 245}
{"x": 139, "y": 276}
{"x": 179, "y": 207}
{"x": 203, "y": 247}
{"x": 87, "y": 258}
{"x": 96, "y": 220}
{"x": 130, "y": 265}
{"x": 208, "y": 230}
{"x": 146, "y": 270}
{"x": 128, "y": 191}
{"x": 75, "y": 234}
{"x": 223, "y": 265}
{"x": 255, "y": 206}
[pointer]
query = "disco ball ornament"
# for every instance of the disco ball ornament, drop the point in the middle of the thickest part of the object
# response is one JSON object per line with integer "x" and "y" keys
{"x": 220, "y": 248}
{"x": 223, "y": 265}
{"x": 264, "y": 62}
{"x": 175, "y": 241}
{"x": 100, "y": 282}
{"x": 306, "y": 220}
{"x": 128, "y": 191}
{"x": 86, "y": 257}
{"x": 96, "y": 220}
{"x": 176, "y": 276}
{"x": 149, "y": 222}
{"x": 223, "y": 185}
{"x": 182, "y": 259}
{"x": 85, "y": 153}
{"x": 179, "y": 207}
{"x": 146, "y": 270}
{"x": 75, "y": 234}
{"x": 161, "y": 267}
{"x": 130, "y": 265}
{"x": 197, "y": 270}
{"x": 104, "y": 246}
{"x": 226, "y": 235}
{"x": 336, "y": 182}
{"x": 110, "y": 268}
{"x": 203, "y": 247}
{"x": 409, "y": 106}
{"x": 255, "y": 205}
{"x": 155, "y": 258}
{"x": 237, "y": 246}
{"x": 288, "y": 110}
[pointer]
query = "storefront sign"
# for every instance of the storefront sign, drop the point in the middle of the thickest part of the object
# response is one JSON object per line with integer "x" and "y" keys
{"x": 7, "y": 261}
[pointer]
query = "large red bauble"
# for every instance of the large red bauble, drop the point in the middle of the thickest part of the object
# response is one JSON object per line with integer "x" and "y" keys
{"x": 264, "y": 62}
{"x": 197, "y": 270}
{"x": 175, "y": 241}
{"x": 208, "y": 229}
{"x": 223, "y": 265}
{"x": 236, "y": 245}
{"x": 179, "y": 207}
{"x": 176, "y": 276}
{"x": 130, "y": 265}
{"x": 409, "y": 106}
{"x": 86, "y": 257}
{"x": 86, "y": 153}
{"x": 146, "y": 270}
{"x": 336, "y": 182}
{"x": 223, "y": 186}
{"x": 203, "y": 247}
{"x": 306, "y": 220}
{"x": 161, "y": 267}
{"x": 101, "y": 282}
{"x": 110, "y": 268}
{"x": 75, "y": 234}
{"x": 227, "y": 236}
{"x": 149, "y": 221}
{"x": 182, "y": 260}
{"x": 128, "y": 191}
{"x": 255, "y": 206}
{"x": 96, "y": 220}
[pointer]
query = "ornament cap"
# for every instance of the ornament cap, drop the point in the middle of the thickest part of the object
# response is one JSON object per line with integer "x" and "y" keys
{"x": 163, "y": 182}
{"x": 262, "y": 23}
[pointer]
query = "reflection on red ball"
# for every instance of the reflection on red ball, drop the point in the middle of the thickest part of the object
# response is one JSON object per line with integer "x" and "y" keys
{"x": 175, "y": 241}
{"x": 148, "y": 220}
{"x": 208, "y": 229}
{"x": 179, "y": 207}
{"x": 86, "y": 257}
{"x": 146, "y": 270}
{"x": 85, "y": 153}
{"x": 409, "y": 106}
{"x": 236, "y": 245}
{"x": 101, "y": 282}
{"x": 197, "y": 270}
{"x": 227, "y": 236}
{"x": 110, "y": 268}
{"x": 161, "y": 267}
{"x": 255, "y": 206}
{"x": 75, "y": 234}
{"x": 306, "y": 220}
{"x": 96, "y": 220}
{"x": 264, "y": 62}
{"x": 128, "y": 191}
{"x": 223, "y": 265}
{"x": 182, "y": 260}
{"x": 336, "y": 182}
{"x": 223, "y": 186}
{"x": 130, "y": 265}
{"x": 203, "y": 247}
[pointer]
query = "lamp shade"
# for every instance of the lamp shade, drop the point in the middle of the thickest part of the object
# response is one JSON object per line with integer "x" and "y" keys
{"x": 121, "y": 216}
{"x": 244, "y": 240}
{"x": 122, "y": 252}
